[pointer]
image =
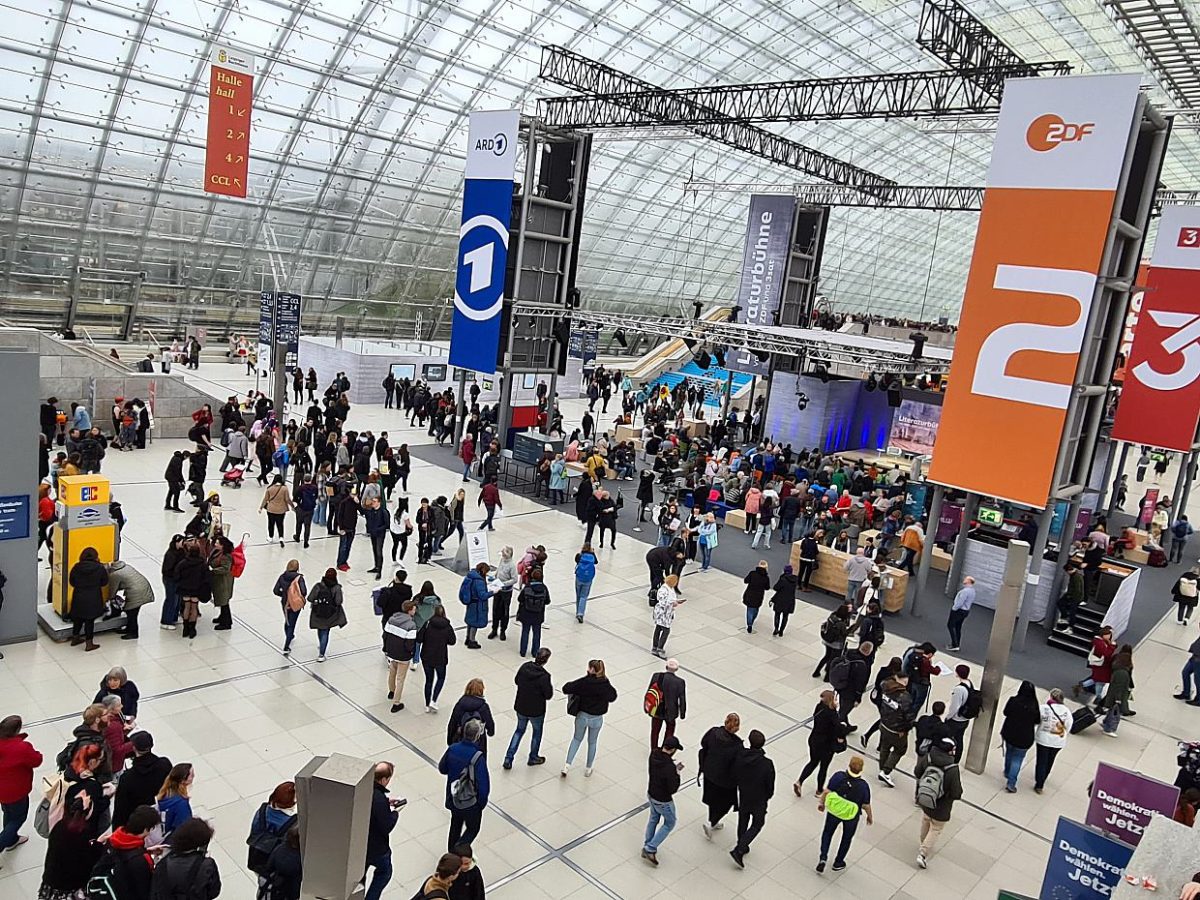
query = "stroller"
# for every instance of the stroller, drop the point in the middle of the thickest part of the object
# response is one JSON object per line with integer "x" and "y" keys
{"x": 233, "y": 477}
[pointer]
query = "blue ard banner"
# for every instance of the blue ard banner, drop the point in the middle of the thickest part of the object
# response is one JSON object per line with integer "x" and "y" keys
{"x": 764, "y": 269}
{"x": 1084, "y": 864}
{"x": 483, "y": 239}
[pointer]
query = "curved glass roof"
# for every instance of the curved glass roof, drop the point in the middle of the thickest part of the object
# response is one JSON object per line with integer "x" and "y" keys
{"x": 356, "y": 160}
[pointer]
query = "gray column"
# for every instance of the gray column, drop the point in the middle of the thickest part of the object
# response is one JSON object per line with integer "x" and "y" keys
{"x": 18, "y": 484}
{"x": 1187, "y": 484}
{"x": 334, "y": 798}
{"x": 1035, "y": 573}
{"x": 996, "y": 663}
{"x": 935, "y": 512}
{"x": 461, "y": 419}
{"x": 1120, "y": 468}
{"x": 279, "y": 392}
{"x": 339, "y": 331}
{"x": 1180, "y": 480}
{"x": 954, "y": 576}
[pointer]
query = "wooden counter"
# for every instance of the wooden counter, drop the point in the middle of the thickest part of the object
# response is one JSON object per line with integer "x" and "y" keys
{"x": 831, "y": 576}
{"x": 627, "y": 433}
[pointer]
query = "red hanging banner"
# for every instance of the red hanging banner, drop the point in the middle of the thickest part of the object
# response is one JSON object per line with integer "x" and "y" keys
{"x": 1160, "y": 401}
{"x": 227, "y": 153}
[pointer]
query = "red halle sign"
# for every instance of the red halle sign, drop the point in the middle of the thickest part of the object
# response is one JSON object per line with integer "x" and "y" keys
{"x": 227, "y": 152}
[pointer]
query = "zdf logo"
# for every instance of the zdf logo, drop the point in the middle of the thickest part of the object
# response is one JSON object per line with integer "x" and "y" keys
{"x": 1048, "y": 131}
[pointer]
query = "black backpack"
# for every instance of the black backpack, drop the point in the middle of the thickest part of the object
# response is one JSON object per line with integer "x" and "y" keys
{"x": 833, "y": 629}
{"x": 839, "y": 673}
{"x": 972, "y": 706}
{"x": 323, "y": 606}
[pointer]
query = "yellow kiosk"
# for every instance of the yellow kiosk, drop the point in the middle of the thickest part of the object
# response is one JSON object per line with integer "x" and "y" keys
{"x": 83, "y": 521}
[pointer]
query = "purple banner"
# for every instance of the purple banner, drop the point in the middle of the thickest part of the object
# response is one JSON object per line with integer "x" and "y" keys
{"x": 948, "y": 523}
{"x": 1123, "y": 802}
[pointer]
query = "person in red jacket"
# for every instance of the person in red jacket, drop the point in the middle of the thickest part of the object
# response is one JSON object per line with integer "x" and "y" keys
{"x": 467, "y": 455}
{"x": 18, "y": 759}
{"x": 489, "y": 497}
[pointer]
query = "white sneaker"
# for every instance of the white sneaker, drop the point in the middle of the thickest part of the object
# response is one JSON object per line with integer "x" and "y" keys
{"x": 565, "y": 769}
{"x": 428, "y": 708}
{"x": 718, "y": 826}
{"x": 320, "y": 659}
{"x": 887, "y": 779}
{"x": 707, "y": 830}
{"x": 921, "y": 861}
{"x": 167, "y": 627}
{"x": 413, "y": 667}
{"x": 587, "y": 772}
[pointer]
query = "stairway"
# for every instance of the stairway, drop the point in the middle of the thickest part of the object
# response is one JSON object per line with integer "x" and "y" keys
{"x": 713, "y": 379}
{"x": 1078, "y": 640}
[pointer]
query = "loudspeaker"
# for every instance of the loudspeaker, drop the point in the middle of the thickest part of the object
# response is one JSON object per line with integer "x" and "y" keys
{"x": 557, "y": 170}
{"x": 893, "y": 397}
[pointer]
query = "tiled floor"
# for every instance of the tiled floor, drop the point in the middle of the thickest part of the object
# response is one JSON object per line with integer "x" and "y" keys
{"x": 248, "y": 718}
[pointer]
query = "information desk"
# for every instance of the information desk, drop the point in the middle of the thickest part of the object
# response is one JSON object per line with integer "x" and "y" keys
{"x": 830, "y": 576}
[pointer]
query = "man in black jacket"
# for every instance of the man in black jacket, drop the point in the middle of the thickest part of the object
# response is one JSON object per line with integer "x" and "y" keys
{"x": 384, "y": 814}
{"x": 755, "y": 775}
{"x": 661, "y": 561}
{"x": 673, "y": 704}
{"x": 851, "y": 689}
{"x": 533, "y": 690}
{"x": 664, "y": 782}
{"x": 719, "y": 749}
{"x": 141, "y": 782}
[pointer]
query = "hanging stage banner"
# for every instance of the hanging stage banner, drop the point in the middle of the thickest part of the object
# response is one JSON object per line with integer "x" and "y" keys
{"x": 227, "y": 150}
{"x": 764, "y": 268}
{"x": 1160, "y": 400}
{"x": 1060, "y": 148}
{"x": 483, "y": 239}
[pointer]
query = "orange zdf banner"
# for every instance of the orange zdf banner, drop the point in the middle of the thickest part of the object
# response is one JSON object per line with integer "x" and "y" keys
{"x": 230, "y": 92}
{"x": 1060, "y": 148}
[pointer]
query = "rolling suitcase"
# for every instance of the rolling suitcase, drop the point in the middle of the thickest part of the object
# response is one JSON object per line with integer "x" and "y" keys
{"x": 1084, "y": 718}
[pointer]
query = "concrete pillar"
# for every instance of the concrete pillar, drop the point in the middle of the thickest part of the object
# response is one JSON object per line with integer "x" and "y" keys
{"x": 334, "y": 796}
{"x": 18, "y": 486}
{"x": 955, "y": 575}
{"x": 1120, "y": 468}
{"x": 996, "y": 663}
{"x": 339, "y": 331}
{"x": 1035, "y": 573}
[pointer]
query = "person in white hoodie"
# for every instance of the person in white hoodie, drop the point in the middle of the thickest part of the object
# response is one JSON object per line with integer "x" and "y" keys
{"x": 1051, "y": 736}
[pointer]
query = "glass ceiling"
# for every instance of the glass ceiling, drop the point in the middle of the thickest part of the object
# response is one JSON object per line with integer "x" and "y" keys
{"x": 356, "y": 162}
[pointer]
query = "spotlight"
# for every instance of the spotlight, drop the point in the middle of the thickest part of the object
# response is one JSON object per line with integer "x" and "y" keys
{"x": 935, "y": 380}
{"x": 918, "y": 340}
{"x": 761, "y": 355}
{"x": 923, "y": 383}
{"x": 697, "y": 309}
{"x": 562, "y": 331}
{"x": 703, "y": 360}
{"x": 619, "y": 337}
{"x": 871, "y": 382}
{"x": 691, "y": 345}
{"x": 801, "y": 402}
{"x": 719, "y": 353}
{"x": 885, "y": 381}
{"x": 734, "y": 313}
{"x": 821, "y": 372}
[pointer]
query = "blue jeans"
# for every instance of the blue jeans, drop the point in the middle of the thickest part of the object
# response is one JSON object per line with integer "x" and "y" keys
{"x": 751, "y": 615}
{"x": 290, "y": 618}
{"x": 1013, "y": 757}
{"x": 1112, "y": 719}
{"x": 788, "y": 527}
{"x": 662, "y": 821}
{"x": 466, "y": 471}
{"x": 15, "y": 815}
{"x": 582, "y": 590}
{"x": 852, "y": 590}
{"x": 1191, "y": 675}
{"x": 664, "y": 540}
{"x": 491, "y": 512}
{"x": 591, "y": 725}
{"x": 849, "y": 826}
{"x": 535, "y": 742}
{"x": 435, "y": 677}
{"x": 322, "y": 640}
{"x": 536, "y": 631}
{"x": 345, "y": 541}
{"x": 170, "y": 610}
{"x": 705, "y": 557}
{"x": 383, "y": 874}
{"x": 416, "y": 653}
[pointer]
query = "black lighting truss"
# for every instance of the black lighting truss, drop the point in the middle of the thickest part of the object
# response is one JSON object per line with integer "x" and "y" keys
{"x": 887, "y": 96}
{"x": 1167, "y": 38}
{"x": 572, "y": 70}
{"x": 951, "y": 33}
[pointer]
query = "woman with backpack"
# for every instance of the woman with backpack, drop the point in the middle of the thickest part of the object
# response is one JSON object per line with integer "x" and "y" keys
{"x": 71, "y": 851}
{"x": 1022, "y": 718}
{"x": 187, "y": 872}
{"x": 784, "y": 599}
{"x": 847, "y": 799}
{"x": 827, "y": 737}
{"x": 471, "y": 706}
{"x": 1184, "y": 593}
{"x": 531, "y": 610}
{"x": 833, "y": 635}
{"x": 326, "y": 610}
{"x": 269, "y": 829}
{"x": 585, "y": 574}
{"x": 291, "y": 591}
{"x": 278, "y": 503}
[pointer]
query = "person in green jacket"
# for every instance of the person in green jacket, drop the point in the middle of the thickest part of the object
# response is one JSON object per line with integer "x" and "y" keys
{"x": 220, "y": 564}
{"x": 1116, "y": 698}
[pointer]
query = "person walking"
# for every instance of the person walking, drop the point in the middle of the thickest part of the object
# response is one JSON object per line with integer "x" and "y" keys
{"x": 588, "y": 699}
{"x": 1051, "y": 736}
{"x": 1116, "y": 698}
{"x": 1181, "y": 530}
{"x": 471, "y": 707}
{"x": 858, "y": 570}
{"x": 385, "y": 812}
{"x": 809, "y": 551}
{"x": 895, "y": 721}
{"x": 305, "y": 508}
{"x": 506, "y": 578}
{"x": 585, "y": 574}
{"x": 326, "y": 610}
{"x": 784, "y": 600}
{"x": 466, "y": 452}
{"x": 719, "y": 750}
{"x": 467, "y": 784}
{"x": 134, "y": 589}
{"x": 434, "y": 638}
{"x": 826, "y": 738}
{"x": 531, "y": 611}
{"x": 965, "y": 705}
{"x": 175, "y": 480}
{"x": 377, "y": 520}
{"x": 489, "y": 499}
{"x": 959, "y": 610}
{"x": 834, "y": 631}
{"x": 939, "y": 787}
{"x": 399, "y": 639}
{"x": 665, "y": 603}
{"x": 755, "y": 776}
{"x": 1191, "y": 676}
{"x": 534, "y": 690}
{"x": 848, "y": 675}
{"x": 844, "y": 803}
{"x": 1184, "y": 593}
{"x": 18, "y": 760}
{"x": 292, "y": 593}
{"x": 758, "y": 582}
{"x": 87, "y": 579}
{"x": 344, "y": 518}
{"x": 1100, "y": 662}
{"x": 1022, "y": 718}
{"x": 278, "y": 503}
{"x": 473, "y": 594}
{"x": 660, "y": 793}
{"x": 666, "y": 701}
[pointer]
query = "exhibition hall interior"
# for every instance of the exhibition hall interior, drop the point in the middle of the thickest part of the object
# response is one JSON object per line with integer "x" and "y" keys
{"x": 352, "y": 336}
